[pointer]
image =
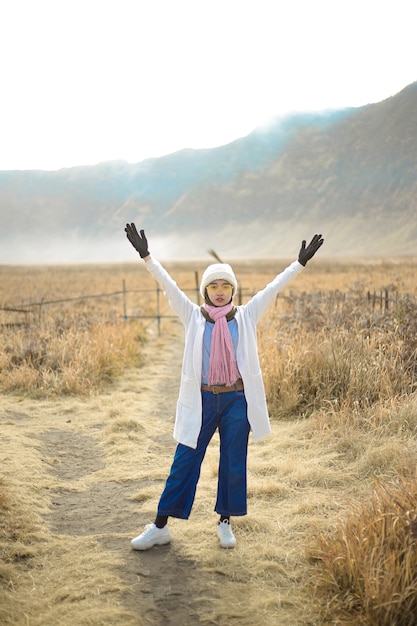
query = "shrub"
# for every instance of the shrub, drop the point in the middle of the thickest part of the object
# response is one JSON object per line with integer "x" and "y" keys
{"x": 344, "y": 353}
{"x": 366, "y": 570}
{"x": 67, "y": 355}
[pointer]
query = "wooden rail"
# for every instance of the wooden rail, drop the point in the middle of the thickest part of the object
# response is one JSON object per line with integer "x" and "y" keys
{"x": 380, "y": 299}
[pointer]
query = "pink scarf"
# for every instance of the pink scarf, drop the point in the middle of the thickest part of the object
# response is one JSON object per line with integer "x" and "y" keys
{"x": 223, "y": 370}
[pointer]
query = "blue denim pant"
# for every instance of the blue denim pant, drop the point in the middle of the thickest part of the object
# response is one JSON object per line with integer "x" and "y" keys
{"x": 227, "y": 412}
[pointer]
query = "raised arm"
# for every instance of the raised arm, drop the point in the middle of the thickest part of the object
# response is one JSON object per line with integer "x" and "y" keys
{"x": 177, "y": 299}
{"x": 262, "y": 300}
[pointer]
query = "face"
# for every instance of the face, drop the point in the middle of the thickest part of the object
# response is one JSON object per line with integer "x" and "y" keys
{"x": 219, "y": 292}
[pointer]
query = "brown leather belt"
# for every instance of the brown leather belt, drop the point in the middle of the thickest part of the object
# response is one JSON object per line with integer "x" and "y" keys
{"x": 238, "y": 386}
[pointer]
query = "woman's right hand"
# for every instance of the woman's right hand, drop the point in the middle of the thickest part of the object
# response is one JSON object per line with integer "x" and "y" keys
{"x": 138, "y": 240}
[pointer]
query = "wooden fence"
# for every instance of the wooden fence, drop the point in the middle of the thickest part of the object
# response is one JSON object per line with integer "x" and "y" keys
{"x": 380, "y": 299}
{"x": 26, "y": 311}
{"x": 36, "y": 308}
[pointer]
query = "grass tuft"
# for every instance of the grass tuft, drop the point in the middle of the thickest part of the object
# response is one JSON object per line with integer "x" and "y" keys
{"x": 366, "y": 568}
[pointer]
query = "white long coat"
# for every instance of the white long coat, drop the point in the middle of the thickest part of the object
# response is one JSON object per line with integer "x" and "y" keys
{"x": 189, "y": 406}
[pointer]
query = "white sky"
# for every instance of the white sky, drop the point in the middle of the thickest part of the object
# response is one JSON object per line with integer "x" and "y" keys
{"x": 85, "y": 81}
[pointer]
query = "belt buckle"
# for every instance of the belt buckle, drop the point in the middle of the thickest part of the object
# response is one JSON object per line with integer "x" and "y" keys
{"x": 216, "y": 389}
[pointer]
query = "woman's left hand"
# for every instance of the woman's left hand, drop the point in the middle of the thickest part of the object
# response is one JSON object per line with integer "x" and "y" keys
{"x": 306, "y": 253}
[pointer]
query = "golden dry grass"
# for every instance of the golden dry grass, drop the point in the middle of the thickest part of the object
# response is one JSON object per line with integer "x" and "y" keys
{"x": 368, "y": 563}
{"x": 83, "y": 465}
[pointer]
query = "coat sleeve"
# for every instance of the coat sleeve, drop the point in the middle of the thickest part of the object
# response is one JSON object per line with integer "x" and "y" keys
{"x": 178, "y": 300}
{"x": 261, "y": 301}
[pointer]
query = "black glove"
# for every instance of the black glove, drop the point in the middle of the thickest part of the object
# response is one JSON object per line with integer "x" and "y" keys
{"x": 306, "y": 253}
{"x": 138, "y": 241}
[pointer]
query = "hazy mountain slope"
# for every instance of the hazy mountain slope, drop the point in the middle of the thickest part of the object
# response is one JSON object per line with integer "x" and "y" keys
{"x": 351, "y": 174}
{"x": 355, "y": 180}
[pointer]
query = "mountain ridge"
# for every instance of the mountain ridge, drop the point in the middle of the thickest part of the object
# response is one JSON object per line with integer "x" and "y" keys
{"x": 349, "y": 173}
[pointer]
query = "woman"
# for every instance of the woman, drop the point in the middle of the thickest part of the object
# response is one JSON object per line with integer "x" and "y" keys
{"x": 221, "y": 388}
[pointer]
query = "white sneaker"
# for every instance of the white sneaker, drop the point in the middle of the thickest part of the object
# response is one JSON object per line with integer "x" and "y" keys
{"x": 151, "y": 536}
{"x": 225, "y": 535}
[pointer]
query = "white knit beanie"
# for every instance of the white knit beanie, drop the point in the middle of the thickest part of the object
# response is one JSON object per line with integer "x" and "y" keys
{"x": 217, "y": 271}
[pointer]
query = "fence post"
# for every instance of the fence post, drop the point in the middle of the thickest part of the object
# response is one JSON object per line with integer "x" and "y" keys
{"x": 197, "y": 287}
{"x": 158, "y": 309}
{"x": 124, "y": 300}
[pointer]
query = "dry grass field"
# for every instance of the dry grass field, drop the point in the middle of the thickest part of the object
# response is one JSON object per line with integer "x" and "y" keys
{"x": 87, "y": 405}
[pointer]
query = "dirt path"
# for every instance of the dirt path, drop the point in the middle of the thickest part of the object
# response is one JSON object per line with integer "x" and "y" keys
{"x": 158, "y": 583}
{"x": 101, "y": 464}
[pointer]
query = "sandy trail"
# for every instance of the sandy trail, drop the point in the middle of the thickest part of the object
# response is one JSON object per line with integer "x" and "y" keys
{"x": 157, "y": 583}
{"x": 99, "y": 465}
